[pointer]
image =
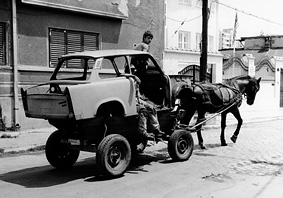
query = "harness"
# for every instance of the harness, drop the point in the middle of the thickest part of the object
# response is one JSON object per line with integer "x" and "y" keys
{"x": 217, "y": 95}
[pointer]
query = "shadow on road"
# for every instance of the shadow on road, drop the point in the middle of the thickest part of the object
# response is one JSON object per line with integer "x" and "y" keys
{"x": 46, "y": 176}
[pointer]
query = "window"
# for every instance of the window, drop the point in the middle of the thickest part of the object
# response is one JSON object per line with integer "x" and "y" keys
{"x": 184, "y": 40}
{"x": 66, "y": 41}
{"x": 2, "y": 44}
{"x": 198, "y": 42}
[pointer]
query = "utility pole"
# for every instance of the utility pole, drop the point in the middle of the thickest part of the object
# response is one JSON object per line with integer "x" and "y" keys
{"x": 203, "y": 56}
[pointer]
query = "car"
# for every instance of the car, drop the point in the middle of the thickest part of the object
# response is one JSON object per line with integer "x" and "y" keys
{"x": 91, "y": 100}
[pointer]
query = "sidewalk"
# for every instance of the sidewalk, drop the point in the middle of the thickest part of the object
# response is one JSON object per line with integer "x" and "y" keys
{"x": 35, "y": 138}
{"x": 24, "y": 140}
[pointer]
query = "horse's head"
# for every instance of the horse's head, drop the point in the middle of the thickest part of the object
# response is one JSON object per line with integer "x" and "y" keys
{"x": 251, "y": 90}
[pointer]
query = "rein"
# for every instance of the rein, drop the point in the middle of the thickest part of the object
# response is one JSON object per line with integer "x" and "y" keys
{"x": 215, "y": 114}
{"x": 229, "y": 105}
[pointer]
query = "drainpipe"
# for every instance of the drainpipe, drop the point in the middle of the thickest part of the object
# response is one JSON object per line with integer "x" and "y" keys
{"x": 15, "y": 124}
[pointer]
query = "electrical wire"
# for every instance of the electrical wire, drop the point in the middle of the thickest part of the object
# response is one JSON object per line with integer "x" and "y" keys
{"x": 182, "y": 23}
{"x": 249, "y": 14}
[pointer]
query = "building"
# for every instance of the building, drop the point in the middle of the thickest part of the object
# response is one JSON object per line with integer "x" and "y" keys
{"x": 33, "y": 33}
{"x": 260, "y": 56}
{"x": 183, "y": 32}
{"x": 226, "y": 39}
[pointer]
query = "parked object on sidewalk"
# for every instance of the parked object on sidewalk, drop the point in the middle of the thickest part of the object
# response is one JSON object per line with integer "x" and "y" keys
{"x": 91, "y": 101}
{"x": 218, "y": 98}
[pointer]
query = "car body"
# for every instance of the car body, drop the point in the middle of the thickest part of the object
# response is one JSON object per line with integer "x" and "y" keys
{"x": 95, "y": 105}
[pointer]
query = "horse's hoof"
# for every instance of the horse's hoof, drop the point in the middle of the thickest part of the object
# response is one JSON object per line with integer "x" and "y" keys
{"x": 224, "y": 144}
{"x": 202, "y": 146}
{"x": 233, "y": 138}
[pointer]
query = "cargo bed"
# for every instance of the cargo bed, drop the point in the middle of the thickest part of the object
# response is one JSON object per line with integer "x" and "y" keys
{"x": 46, "y": 106}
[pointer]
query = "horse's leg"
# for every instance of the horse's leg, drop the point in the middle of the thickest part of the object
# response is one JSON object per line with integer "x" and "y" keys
{"x": 237, "y": 115}
{"x": 223, "y": 126}
{"x": 201, "y": 117}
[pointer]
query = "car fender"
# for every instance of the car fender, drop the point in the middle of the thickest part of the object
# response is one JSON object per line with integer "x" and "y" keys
{"x": 87, "y": 98}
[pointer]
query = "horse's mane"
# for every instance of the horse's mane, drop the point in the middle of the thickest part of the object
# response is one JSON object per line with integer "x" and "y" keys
{"x": 240, "y": 77}
{"x": 231, "y": 81}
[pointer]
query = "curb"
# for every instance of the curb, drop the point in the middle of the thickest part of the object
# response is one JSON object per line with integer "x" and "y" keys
{"x": 234, "y": 122}
{"x": 23, "y": 149}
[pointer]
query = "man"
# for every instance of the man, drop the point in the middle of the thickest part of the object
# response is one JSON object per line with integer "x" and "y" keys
{"x": 148, "y": 120}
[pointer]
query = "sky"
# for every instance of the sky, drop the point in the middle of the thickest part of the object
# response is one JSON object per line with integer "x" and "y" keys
{"x": 248, "y": 25}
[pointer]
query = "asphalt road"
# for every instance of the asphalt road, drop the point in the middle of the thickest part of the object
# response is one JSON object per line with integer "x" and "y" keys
{"x": 250, "y": 168}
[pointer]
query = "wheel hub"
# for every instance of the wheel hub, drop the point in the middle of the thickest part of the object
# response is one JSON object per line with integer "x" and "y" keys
{"x": 114, "y": 156}
{"x": 182, "y": 146}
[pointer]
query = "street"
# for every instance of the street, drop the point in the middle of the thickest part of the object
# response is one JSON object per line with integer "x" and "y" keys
{"x": 250, "y": 168}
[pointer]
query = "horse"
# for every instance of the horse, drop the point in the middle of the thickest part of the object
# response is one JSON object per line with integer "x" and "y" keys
{"x": 221, "y": 98}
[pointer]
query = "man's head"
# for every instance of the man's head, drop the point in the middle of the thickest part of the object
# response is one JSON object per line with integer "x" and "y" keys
{"x": 147, "y": 37}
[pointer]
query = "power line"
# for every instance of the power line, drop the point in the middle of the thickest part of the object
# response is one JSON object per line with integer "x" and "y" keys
{"x": 182, "y": 23}
{"x": 183, "y": 20}
{"x": 244, "y": 12}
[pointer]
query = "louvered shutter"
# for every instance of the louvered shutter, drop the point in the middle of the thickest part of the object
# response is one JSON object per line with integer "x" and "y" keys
{"x": 2, "y": 44}
{"x": 74, "y": 44}
{"x": 90, "y": 42}
{"x": 57, "y": 45}
{"x": 65, "y": 41}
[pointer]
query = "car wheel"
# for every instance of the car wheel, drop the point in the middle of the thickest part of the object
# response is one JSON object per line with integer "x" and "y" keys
{"x": 113, "y": 155}
{"x": 59, "y": 154}
{"x": 180, "y": 145}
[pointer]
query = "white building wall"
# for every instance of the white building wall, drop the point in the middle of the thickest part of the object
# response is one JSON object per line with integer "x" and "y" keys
{"x": 188, "y": 17}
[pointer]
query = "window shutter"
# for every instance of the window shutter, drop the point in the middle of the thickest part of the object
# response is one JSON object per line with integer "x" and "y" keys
{"x": 74, "y": 43}
{"x": 57, "y": 46}
{"x": 2, "y": 44}
{"x": 90, "y": 42}
{"x": 67, "y": 41}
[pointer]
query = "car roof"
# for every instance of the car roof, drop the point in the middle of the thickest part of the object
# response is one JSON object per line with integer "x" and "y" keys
{"x": 105, "y": 53}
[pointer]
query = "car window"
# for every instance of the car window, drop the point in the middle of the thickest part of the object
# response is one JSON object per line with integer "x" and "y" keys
{"x": 111, "y": 67}
{"x": 75, "y": 69}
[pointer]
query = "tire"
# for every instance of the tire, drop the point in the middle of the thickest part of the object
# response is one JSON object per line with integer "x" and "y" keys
{"x": 113, "y": 155}
{"x": 180, "y": 145}
{"x": 59, "y": 154}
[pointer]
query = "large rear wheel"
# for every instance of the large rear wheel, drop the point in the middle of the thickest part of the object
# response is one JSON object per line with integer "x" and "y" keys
{"x": 113, "y": 155}
{"x": 180, "y": 145}
{"x": 59, "y": 154}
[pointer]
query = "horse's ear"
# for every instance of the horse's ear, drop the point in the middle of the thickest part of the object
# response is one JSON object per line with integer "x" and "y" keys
{"x": 258, "y": 81}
